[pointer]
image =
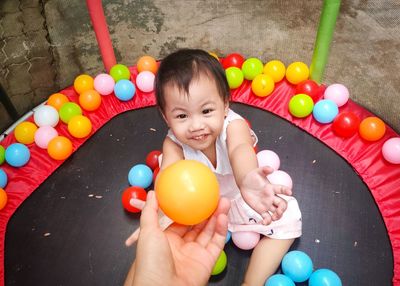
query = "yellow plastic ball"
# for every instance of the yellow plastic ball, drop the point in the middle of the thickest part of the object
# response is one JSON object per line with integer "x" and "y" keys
{"x": 214, "y": 55}
{"x": 187, "y": 192}
{"x": 79, "y": 126}
{"x": 297, "y": 72}
{"x": 262, "y": 85}
{"x": 3, "y": 198}
{"x": 83, "y": 82}
{"x": 276, "y": 69}
{"x": 25, "y": 132}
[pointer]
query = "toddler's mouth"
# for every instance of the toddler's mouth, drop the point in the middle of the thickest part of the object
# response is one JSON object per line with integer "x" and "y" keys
{"x": 200, "y": 137}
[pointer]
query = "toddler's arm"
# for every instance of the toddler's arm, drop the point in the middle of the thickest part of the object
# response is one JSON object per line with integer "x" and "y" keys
{"x": 256, "y": 190}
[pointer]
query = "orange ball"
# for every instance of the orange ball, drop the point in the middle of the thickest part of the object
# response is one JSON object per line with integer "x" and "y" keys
{"x": 262, "y": 85}
{"x": 25, "y": 132}
{"x": 79, "y": 126}
{"x": 147, "y": 63}
{"x": 372, "y": 128}
{"x": 90, "y": 100}
{"x": 3, "y": 198}
{"x": 57, "y": 100}
{"x": 187, "y": 192}
{"x": 59, "y": 148}
{"x": 297, "y": 72}
{"x": 83, "y": 82}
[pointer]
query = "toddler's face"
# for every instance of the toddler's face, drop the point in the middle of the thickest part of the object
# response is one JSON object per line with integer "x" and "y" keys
{"x": 195, "y": 119}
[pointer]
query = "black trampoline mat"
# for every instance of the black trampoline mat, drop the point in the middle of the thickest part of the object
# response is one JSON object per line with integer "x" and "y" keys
{"x": 71, "y": 230}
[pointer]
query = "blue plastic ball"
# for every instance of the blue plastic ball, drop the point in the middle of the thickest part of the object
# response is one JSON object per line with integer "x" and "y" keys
{"x": 17, "y": 155}
{"x": 297, "y": 265}
{"x": 3, "y": 179}
{"x": 141, "y": 176}
{"x": 279, "y": 280}
{"x": 124, "y": 90}
{"x": 228, "y": 236}
{"x": 324, "y": 277}
{"x": 325, "y": 111}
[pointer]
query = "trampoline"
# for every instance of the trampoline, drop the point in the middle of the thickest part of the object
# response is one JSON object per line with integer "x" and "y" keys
{"x": 71, "y": 227}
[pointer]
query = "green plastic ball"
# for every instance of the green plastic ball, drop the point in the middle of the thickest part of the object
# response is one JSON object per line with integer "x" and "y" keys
{"x": 119, "y": 72}
{"x": 220, "y": 264}
{"x": 2, "y": 154}
{"x": 251, "y": 68}
{"x": 301, "y": 105}
{"x": 234, "y": 76}
{"x": 69, "y": 110}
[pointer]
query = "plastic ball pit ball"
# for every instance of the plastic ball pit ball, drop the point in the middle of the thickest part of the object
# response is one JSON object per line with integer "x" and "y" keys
{"x": 83, "y": 82}
{"x": 25, "y": 132}
{"x": 145, "y": 81}
{"x": 310, "y": 88}
{"x": 372, "y": 128}
{"x": 79, "y": 126}
{"x": 346, "y": 124}
{"x": 46, "y": 115}
{"x": 324, "y": 277}
{"x": 2, "y": 154}
{"x": 301, "y": 105}
{"x": 90, "y": 100}
{"x": 391, "y": 150}
{"x": 233, "y": 60}
{"x": 57, "y": 100}
{"x": 69, "y": 110}
{"x": 124, "y": 90}
{"x": 280, "y": 177}
{"x": 234, "y": 77}
{"x": 187, "y": 192}
{"x": 119, "y": 72}
{"x": 3, "y": 179}
{"x": 140, "y": 175}
{"x": 3, "y": 198}
{"x": 279, "y": 280}
{"x": 43, "y": 136}
{"x": 275, "y": 69}
{"x": 104, "y": 84}
{"x": 338, "y": 93}
{"x": 152, "y": 159}
{"x": 220, "y": 264}
{"x": 59, "y": 148}
{"x": 245, "y": 240}
{"x": 325, "y": 111}
{"x": 252, "y": 67}
{"x": 262, "y": 85}
{"x": 147, "y": 63}
{"x": 297, "y": 266}
{"x": 133, "y": 193}
{"x": 297, "y": 72}
{"x": 268, "y": 158}
{"x": 17, "y": 155}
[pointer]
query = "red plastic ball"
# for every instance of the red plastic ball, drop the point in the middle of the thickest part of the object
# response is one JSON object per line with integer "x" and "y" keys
{"x": 152, "y": 159}
{"x": 233, "y": 60}
{"x": 155, "y": 173}
{"x": 310, "y": 88}
{"x": 346, "y": 124}
{"x": 133, "y": 193}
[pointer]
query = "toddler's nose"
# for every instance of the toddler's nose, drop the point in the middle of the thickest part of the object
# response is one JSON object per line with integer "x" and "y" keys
{"x": 196, "y": 125}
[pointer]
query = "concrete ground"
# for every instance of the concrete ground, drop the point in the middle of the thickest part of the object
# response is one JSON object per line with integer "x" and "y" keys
{"x": 45, "y": 44}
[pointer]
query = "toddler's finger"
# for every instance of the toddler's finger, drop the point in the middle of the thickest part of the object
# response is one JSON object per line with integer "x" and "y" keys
{"x": 133, "y": 237}
{"x": 266, "y": 170}
{"x": 139, "y": 204}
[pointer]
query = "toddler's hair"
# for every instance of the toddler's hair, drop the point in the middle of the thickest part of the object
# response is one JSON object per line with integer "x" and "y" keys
{"x": 182, "y": 66}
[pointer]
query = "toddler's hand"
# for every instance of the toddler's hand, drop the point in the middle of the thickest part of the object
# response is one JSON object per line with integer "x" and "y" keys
{"x": 261, "y": 195}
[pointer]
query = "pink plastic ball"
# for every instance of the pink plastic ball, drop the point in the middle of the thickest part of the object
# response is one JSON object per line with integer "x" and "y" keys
{"x": 245, "y": 239}
{"x": 104, "y": 84}
{"x": 43, "y": 136}
{"x": 391, "y": 150}
{"x": 145, "y": 81}
{"x": 338, "y": 93}
{"x": 268, "y": 158}
{"x": 280, "y": 178}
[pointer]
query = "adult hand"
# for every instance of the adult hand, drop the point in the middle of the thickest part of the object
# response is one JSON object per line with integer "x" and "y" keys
{"x": 180, "y": 255}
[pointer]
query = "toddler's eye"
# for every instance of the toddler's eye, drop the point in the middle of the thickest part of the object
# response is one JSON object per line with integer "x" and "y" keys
{"x": 181, "y": 116}
{"x": 206, "y": 111}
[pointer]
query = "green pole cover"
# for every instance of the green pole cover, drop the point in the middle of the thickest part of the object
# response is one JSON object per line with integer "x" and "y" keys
{"x": 326, "y": 28}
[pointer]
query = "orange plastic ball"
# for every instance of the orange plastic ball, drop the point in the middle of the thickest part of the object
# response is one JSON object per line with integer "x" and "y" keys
{"x": 214, "y": 55}
{"x": 297, "y": 72}
{"x": 187, "y": 192}
{"x": 147, "y": 63}
{"x": 59, "y": 148}
{"x": 372, "y": 128}
{"x": 83, "y": 82}
{"x": 79, "y": 126}
{"x": 25, "y": 132}
{"x": 57, "y": 100}
{"x": 262, "y": 85}
{"x": 3, "y": 198}
{"x": 90, "y": 100}
{"x": 276, "y": 69}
